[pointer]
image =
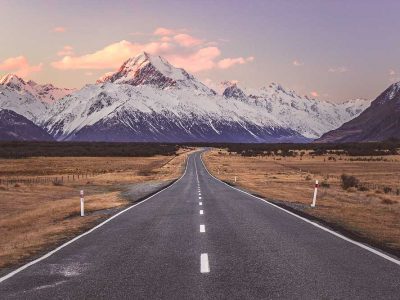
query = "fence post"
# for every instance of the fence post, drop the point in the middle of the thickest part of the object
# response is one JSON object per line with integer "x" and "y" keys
{"x": 315, "y": 194}
{"x": 82, "y": 204}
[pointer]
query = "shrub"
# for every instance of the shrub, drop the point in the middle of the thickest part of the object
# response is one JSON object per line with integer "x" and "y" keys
{"x": 349, "y": 181}
{"x": 308, "y": 177}
{"x": 16, "y": 185}
{"x": 363, "y": 188}
{"x": 325, "y": 184}
{"x": 388, "y": 201}
{"x": 57, "y": 183}
{"x": 387, "y": 189}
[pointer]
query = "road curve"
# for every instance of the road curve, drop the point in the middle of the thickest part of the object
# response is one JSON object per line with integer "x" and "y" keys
{"x": 201, "y": 239}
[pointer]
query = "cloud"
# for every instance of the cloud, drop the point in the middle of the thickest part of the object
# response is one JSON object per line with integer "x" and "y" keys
{"x": 297, "y": 63}
{"x": 341, "y": 69}
{"x": 393, "y": 76}
{"x": 200, "y": 60}
{"x": 20, "y": 66}
{"x": 59, "y": 29}
{"x": 187, "y": 40}
{"x": 230, "y": 62}
{"x": 314, "y": 94}
{"x": 65, "y": 51}
{"x": 164, "y": 31}
{"x": 182, "y": 50}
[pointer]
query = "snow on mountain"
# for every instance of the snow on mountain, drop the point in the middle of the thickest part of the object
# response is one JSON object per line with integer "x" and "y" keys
{"x": 150, "y": 100}
{"x": 309, "y": 117}
{"x": 46, "y": 93}
{"x": 142, "y": 113}
{"x": 146, "y": 69}
{"x": 23, "y": 103}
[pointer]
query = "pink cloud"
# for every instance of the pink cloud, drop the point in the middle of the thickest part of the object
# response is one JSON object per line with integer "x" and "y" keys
{"x": 187, "y": 40}
{"x": 66, "y": 50}
{"x": 19, "y": 65}
{"x": 314, "y": 94}
{"x": 181, "y": 50}
{"x": 164, "y": 31}
{"x": 230, "y": 62}
{"x": 201, "y": 60}
{"x": 297, "y": 63}
{"x": 59, "y": 29}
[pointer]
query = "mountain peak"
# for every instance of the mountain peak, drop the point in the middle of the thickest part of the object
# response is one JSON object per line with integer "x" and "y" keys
{"x": 154, "y": 70}
{"x": 12, "y": 81}
{"x": 393, "y": 91}
{"x": 233, "y": 91}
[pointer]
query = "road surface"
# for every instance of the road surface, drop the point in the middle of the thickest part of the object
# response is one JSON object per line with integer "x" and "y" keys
{"x": 201, "y": 239}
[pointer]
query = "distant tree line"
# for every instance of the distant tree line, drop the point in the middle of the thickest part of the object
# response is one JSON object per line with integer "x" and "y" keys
{"x": 82, "y": 149}
{"x": 289, "y": 149}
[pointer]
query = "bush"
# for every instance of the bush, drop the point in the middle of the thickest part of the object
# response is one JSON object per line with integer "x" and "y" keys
{"x": 363, "y": 188}
{"x": 325, "y": 184}
{"x": 387, "y": 189}
{"x": 57, "y": 183}
{"x": 388, "y": 201}
{"x": 349, "y": 181}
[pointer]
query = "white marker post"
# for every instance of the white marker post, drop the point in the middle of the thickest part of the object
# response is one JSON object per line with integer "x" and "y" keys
{"x": 315, "y": 194}
{"x": 235, "y": 179}
{"x": 82, "y": 204}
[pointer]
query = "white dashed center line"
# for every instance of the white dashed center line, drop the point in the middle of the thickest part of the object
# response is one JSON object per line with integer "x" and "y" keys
{"x": 199, "y": 197}
{"x": 202, "y": 228}
{"x": 200, "y": 203}
{"x": 204, "y": 265}
{"x": 201, "y": 212}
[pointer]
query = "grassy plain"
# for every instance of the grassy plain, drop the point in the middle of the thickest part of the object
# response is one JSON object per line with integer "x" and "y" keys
{"x": 34, "y": 217}
{"x": 372, "y": 214}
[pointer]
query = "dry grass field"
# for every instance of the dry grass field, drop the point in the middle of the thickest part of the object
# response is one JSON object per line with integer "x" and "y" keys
{"x": 370, "y": 214}
{"x": 36, "y": 216}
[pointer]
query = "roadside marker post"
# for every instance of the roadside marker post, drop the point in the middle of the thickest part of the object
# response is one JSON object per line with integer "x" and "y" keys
{"x": 235, "y": 179}
{"x": 82, "y": 204}
{"x": 315, "y": 194}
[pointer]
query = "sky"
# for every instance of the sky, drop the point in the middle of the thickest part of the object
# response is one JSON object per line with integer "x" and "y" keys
{"x": 332, "y": 50}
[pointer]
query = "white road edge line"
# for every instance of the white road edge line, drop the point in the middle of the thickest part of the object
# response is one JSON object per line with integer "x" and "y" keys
{"x": 202, "y": 228}
{"x": 204, "y": 265}
{"x": 201, "y": 212}
{"x": 11, "y": 274}
{"x": 365, "y": 247}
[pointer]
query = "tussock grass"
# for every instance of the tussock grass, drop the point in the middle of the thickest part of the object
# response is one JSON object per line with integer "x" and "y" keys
{"x": 371, "y": 214}
{"x": 35, "y": 217}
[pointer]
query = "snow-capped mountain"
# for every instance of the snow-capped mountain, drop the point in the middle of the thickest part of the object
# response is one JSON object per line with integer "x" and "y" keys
{"x": 150, "y": 100}
{"x": 28, "y": 99}
{"x": 146, "y": 69}
{"x": 378, "y": 122}
{"x": 309, "y": 117}
{"x": 23, "y": 103}
{"x": 46, "y": 93}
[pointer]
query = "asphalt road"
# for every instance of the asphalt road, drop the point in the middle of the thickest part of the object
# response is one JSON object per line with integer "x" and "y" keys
{"x": 246, "y": 249}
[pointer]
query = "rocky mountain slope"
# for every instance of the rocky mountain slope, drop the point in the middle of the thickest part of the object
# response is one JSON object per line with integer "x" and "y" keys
{"x": 15, "y": 127}
{"x": 380, "y": 121}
